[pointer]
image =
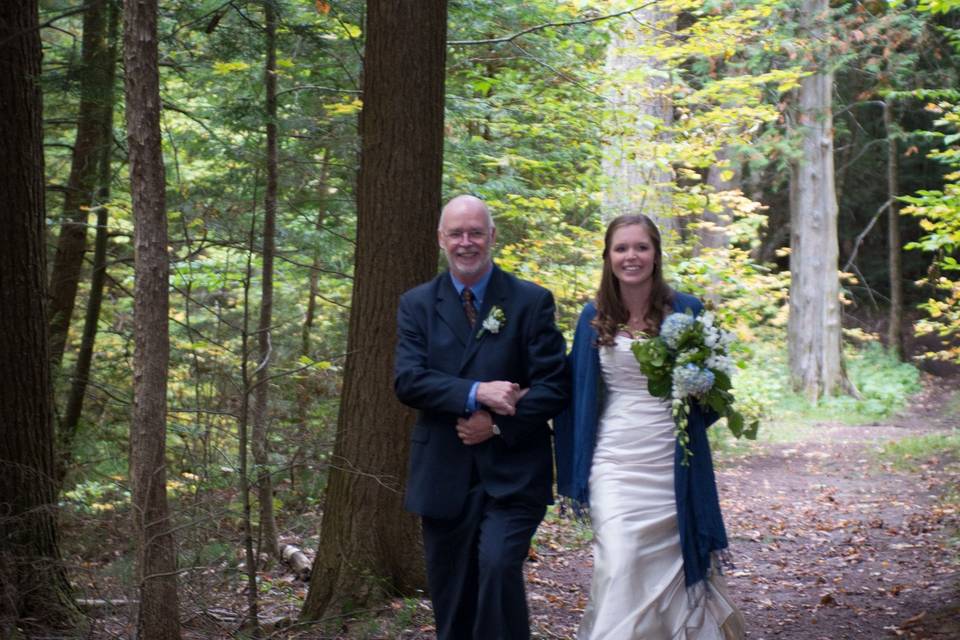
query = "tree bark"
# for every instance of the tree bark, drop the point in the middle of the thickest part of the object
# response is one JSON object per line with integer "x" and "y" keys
{"x": 96, "y": 83}
{"x": 814, "y": 329}
{"x": 640, "y": 179}
{"x": 156, "y": 558}
{"x": 261, "y": 417}
{"x": 34, "y": 592}
{"x": 367, "y": 542}
{"x": 895, "y": 319}
{"x": 78, "y": 386}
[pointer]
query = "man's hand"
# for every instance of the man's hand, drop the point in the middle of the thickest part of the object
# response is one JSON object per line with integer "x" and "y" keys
{"x": 475, "y": 429}
{"x": 499, "y": 395}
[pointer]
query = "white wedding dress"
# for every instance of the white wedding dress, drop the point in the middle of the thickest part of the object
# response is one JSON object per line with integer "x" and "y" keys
{"x": 638, "y": 587}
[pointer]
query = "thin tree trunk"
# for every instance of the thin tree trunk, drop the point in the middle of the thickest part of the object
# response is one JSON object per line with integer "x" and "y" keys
{"x": 814, "y": 329}
{"x": 261, "y": 417}
{"x": 369, "y": 546}
{"x": 96, "y": 80}
{"x": 243, "y": 437}
{"x": 34, "y": 591}
{"x": 78, "y": 386}
{"x": 304, "y": 395}
{"x": 158, "y": 614}
{"x": 895, "y": 328}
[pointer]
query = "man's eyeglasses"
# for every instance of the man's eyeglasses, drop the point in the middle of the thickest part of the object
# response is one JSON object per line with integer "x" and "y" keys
{"x": 474, "y": 235}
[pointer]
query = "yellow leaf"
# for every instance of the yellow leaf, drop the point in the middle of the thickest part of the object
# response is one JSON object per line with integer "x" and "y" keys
{"x": 223, "y": 68}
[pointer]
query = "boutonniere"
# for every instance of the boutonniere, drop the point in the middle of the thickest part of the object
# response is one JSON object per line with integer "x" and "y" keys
{"x": 495, "y": 319}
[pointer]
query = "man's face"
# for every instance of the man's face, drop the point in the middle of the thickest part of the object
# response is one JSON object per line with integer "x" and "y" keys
{"x": 466, "y": 239}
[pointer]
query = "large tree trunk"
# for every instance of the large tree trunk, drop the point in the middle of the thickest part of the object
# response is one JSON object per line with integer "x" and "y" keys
{"x": 814, "y": 329}
{"x": 368, "y": 544}
{"x": 895, "y": 328}
{"x": 78, "y": 386}
{"x": 640, "y": 178}
{"x": 34, "y": 592}
{"x": 261, "y": 417}
{"x": 96, "y": 80}
{"x": 158, "y": 617}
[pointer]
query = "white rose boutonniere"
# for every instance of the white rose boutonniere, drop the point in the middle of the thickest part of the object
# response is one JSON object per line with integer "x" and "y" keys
{"x": 493, "y": 322}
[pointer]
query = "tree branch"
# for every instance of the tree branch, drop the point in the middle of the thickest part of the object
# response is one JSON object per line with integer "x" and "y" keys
{"x": 547, "y": 25}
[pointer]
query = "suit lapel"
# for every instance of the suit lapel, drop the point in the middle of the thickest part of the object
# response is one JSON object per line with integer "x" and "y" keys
{"x": 495, "y": 294}
{"x": 450, "y": 309}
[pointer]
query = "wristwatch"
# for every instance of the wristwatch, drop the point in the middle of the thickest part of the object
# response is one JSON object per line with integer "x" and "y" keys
{"x": 495, "y": 428}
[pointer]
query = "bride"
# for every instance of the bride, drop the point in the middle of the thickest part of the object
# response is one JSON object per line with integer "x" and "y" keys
{"x": 657, "y": 523}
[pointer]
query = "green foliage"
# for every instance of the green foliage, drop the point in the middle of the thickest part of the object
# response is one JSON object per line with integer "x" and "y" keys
{"x": 939, "y": 213}
{"x": 97, "y": 496}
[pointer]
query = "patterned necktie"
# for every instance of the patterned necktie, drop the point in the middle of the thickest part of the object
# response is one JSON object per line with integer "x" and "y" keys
{"x": 468, "y": 307}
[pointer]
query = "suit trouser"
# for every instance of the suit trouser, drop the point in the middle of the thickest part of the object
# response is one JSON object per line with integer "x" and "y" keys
{"x": 475, "y": 567}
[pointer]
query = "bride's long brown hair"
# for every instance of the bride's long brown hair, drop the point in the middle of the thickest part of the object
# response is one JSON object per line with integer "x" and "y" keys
{"x": 612, "y": 314}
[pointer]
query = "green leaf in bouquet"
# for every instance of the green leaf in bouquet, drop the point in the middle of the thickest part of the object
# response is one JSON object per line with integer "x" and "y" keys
{"x": 721, "y": 380}
{"x": 659, "y": 387}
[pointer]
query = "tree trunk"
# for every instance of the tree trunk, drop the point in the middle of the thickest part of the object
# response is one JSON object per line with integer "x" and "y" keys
{"x": 368, "y": 544}
{"x": 96, "y": 82}
{"x": 635, "y": 163}
{"x": 78, "y": 386}
{"x": 156, "y": 559}
{"x": 895, "y": 328}
{"x": 34, "y": 592}
{"x": 814, "y": 329}
{"x": 261, "y": 417}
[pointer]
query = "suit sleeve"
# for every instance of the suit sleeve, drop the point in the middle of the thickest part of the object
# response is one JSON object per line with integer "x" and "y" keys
{"x": 415, "y": 384}
{"x": 546, "y": 373}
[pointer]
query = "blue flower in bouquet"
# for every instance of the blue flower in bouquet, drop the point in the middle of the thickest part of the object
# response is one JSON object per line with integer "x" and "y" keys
{"x": 673, "y": 328}
{"x": 691, "y": 380}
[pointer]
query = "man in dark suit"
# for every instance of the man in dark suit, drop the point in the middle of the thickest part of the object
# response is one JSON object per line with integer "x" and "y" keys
{"x": 479, "y": 355}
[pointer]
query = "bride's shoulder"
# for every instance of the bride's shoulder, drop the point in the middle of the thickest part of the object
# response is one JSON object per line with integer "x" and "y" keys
{"x": 683, "y": 301}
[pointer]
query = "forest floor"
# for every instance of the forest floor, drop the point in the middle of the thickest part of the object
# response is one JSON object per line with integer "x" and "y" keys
{"x": 829, "y": 540}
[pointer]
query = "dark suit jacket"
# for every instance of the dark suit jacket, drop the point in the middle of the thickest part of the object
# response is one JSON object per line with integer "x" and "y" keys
{"x": 438, "y": 357}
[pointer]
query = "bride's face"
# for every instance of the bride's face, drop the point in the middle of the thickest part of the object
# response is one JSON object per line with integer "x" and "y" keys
{"x": 632, "y": 255}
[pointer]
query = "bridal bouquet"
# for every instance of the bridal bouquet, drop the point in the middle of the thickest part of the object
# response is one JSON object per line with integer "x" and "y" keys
{"x": 689, "y": 362}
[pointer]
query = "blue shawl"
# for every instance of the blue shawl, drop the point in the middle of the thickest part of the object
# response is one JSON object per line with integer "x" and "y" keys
{"x": 575, "y": 430}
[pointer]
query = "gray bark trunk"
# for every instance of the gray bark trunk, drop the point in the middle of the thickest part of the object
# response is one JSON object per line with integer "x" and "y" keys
{"x": 158, "y": 614}
{"x": 895, "y": 319}
{"x": 814, "y": 329}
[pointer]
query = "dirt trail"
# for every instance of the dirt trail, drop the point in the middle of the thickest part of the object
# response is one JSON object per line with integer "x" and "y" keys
{"x": 827, "y": 543}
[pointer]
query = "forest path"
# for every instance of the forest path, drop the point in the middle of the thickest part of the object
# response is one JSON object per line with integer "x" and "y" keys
{"x": 828, "y": 541}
